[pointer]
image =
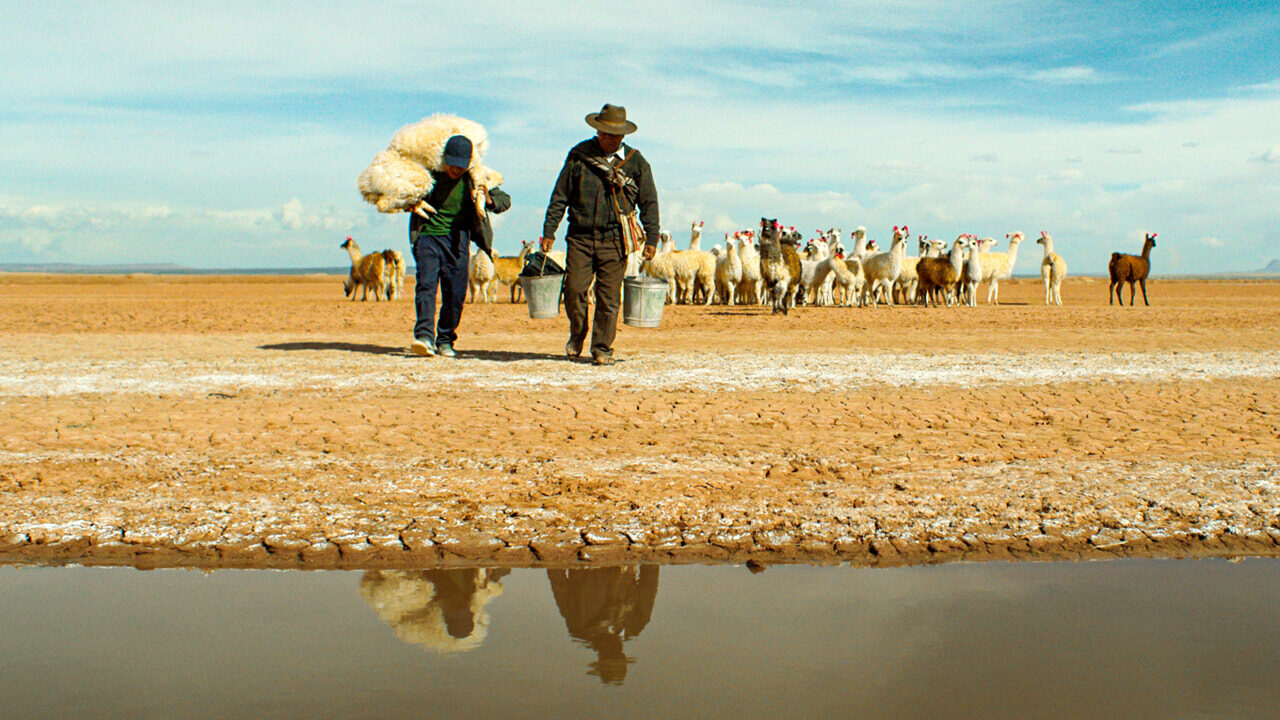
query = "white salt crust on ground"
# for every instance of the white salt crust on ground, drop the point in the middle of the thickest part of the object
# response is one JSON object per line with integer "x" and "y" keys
{"x": 267, "y": 369}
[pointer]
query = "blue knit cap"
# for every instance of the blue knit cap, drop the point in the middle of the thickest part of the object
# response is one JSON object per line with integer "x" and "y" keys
{"x": 457, "y": 151}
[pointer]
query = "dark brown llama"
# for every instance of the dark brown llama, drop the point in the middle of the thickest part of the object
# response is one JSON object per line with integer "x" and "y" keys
{"x": 1131, "y": 269}
{"x": 779, "y": 265}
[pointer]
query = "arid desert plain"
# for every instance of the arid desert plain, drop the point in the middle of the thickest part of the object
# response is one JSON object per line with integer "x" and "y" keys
{"x": 255, "y": 421}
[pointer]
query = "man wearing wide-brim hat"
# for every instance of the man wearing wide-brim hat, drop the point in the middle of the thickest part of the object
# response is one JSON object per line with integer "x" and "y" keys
{"x": 597, "y": 173}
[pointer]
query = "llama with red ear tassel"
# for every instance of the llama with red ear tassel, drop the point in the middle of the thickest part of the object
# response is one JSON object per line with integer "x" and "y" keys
{"x": 701, "y": 282}
{"x": 997, "y": 266}
{"x": 1131, "y": 269}
{"x": 882, "y": 270}
{"x": 1052, "y": 269}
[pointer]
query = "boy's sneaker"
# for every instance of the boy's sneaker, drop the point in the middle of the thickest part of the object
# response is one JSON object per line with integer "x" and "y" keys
{"x": 423, "y": 346}
{"x": 446, "y": 350}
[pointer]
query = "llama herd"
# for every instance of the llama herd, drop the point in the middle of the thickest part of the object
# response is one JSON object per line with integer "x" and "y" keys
{"x": 777, "y": 267}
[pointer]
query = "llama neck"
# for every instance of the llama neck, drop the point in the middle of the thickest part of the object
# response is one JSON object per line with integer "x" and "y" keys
{"x": 770, "y": 248}
{"x": 974, "y": 259}
{"x": 1013, "y": 250}
{"x": 957, "y": 256}
{"x": 895, "y": 254}
{"x": 1146, "y": 250}
{"x": 1048, "y": 247}
{"x": 354, "y": 251}
{"x": 695, "y": 239}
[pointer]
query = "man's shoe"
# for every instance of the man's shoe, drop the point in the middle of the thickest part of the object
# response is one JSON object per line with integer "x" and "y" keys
{"x": 602, "y": 359}
{"x": 573, "y": 349}
{"x": 423, "y": 347}
{"x": 446, "y": 350}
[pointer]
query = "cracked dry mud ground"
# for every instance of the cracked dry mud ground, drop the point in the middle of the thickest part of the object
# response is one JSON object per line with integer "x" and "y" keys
{"x": 251, "y": 422}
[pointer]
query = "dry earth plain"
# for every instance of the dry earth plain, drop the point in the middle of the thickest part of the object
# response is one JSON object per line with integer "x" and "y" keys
{"x": 268, "y": 422}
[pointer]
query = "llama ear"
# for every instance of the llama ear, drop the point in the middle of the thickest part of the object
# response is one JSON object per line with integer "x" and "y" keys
{"x": 1153, "y": 235}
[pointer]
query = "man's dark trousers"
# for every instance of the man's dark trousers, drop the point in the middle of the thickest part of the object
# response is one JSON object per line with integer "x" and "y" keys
{"x": 598, "y": 255}
{"x": 441, "y": 260}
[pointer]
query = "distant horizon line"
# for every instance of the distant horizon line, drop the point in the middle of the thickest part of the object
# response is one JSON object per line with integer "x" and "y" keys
{"x": 60, "y": 268}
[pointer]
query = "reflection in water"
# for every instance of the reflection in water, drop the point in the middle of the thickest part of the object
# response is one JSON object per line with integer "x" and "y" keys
{"x": 604, "y": 606}
{"x": 439, "y": 609}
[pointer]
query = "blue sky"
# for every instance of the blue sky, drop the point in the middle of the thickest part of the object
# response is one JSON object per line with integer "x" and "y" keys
{"x": 231, "y": 134}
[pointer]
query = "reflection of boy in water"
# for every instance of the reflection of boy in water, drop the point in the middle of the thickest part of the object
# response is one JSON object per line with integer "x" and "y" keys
{"x": 604, "y": 606}
{"x": 439, "y": 609}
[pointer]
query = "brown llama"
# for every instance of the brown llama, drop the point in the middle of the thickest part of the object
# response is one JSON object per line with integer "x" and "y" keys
{"x": 1131, "y": 269}
{"x": 779, "y": 265}
{"x": 366, "y": 272}
{"x": 393, "y": 261}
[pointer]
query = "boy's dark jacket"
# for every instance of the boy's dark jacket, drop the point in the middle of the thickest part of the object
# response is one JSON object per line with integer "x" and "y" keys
{"x": 477, "y": 225}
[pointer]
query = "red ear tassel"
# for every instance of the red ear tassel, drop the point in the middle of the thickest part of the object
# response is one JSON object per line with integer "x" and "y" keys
{"x": 1153, "y": 235}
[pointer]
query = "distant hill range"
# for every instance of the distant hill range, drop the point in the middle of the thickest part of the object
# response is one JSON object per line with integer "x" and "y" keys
{"x": 161, "y": 269}
{"x": 1272, "y": 268}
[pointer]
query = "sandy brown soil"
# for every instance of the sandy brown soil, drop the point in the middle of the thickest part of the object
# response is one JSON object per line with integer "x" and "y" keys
{"x": 268, "y": 422}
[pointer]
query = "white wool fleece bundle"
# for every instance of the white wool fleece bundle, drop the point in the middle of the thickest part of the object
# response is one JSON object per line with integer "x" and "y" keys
{"x": 398, "y": 177}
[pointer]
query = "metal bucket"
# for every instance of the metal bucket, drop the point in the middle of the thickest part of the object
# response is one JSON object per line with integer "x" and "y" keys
{"x": 642, "y": 301}
{"x": 543, "y": 295}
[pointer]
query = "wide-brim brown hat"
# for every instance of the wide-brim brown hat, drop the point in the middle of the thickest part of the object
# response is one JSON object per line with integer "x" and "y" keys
{"x": 611, "y": 119}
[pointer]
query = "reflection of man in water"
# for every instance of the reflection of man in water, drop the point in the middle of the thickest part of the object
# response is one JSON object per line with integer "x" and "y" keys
{"x": 604, "y": 606}
{"x": 439, "y": 609}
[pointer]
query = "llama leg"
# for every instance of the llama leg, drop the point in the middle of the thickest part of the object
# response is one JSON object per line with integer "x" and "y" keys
{"x": 1143, "y": 282}
{"x": 1133, "y": 289}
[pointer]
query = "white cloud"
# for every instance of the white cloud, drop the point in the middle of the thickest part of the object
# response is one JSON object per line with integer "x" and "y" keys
{"x": 290, "y": 216}
{"x": 1269, "y": 87}
{"x": 1072, "y": 75}
{"x": 896, "y": 166}
{"x": 1210, "y": 241}
{"x": 1270, "y": 156}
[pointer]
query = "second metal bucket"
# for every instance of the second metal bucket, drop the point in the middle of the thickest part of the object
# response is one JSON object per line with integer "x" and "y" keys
{"x": 642, "y": 301}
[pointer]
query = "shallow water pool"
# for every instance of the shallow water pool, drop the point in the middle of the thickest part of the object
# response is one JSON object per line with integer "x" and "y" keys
{"x": 1136, "y": 638}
